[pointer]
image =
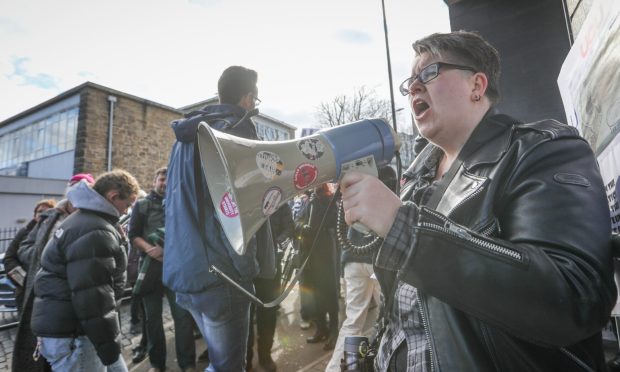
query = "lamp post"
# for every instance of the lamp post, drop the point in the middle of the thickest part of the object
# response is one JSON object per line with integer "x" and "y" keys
{"x": 389, "y": 64}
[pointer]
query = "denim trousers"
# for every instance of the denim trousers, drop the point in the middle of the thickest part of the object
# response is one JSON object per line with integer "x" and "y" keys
{"x": 156, "y": 339}
{"x": 76, "y": 354}
{"x": 222, "y": 314}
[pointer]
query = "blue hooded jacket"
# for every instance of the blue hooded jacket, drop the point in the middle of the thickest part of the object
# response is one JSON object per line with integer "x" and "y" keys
{"x": 191, "y": 249}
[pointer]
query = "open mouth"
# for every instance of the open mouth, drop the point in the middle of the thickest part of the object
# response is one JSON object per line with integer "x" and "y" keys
{"x": 419, "y": 107}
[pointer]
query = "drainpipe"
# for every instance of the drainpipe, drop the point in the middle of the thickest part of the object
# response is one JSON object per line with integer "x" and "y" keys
{"x": 112, "y": 101}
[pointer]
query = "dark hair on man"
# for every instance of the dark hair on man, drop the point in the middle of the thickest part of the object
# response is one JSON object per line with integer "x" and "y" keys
{"x": 163, "y": 171}
{"x": 236, "y": 82}
{"x": 119, "y": 180}
{"x": 468, "y": 48}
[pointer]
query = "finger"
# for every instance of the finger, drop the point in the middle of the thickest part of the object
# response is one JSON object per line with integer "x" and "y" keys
{"x": 351, "y": 178}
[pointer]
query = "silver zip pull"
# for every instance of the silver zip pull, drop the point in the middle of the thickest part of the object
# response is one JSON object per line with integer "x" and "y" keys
{"x": 456, "y": 229}
{"x": 37, "y": 350}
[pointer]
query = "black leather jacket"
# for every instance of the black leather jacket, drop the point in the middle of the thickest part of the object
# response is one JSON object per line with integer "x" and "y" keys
{"x": 513, "y": 262}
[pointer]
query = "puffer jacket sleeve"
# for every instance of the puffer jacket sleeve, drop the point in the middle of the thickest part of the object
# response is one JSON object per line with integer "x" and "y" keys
{"x": 546, "y": 276}
{"x": 92, "y": 266}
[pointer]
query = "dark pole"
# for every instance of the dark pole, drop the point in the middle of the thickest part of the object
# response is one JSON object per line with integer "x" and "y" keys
{"x": 389, "y": 64}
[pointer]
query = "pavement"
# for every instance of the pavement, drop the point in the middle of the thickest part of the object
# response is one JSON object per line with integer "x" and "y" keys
{"x": 290, "y": 350}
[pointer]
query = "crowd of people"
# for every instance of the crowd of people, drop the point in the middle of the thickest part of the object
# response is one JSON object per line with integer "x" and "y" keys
{"x": 496, "y": 255}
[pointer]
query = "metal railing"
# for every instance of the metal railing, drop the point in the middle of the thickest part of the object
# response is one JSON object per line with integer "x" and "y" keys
{"x": 6, "y": 236}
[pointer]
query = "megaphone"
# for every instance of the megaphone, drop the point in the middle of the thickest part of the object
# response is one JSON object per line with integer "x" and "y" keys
{"x": 249, "y": 180}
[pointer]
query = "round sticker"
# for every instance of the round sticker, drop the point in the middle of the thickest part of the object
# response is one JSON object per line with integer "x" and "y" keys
{"x": 311, "y": 148}
{"x": 271, "y": 200}
{"x": 305, "y": 174}
{"x": 269, "y": 164}
{"x": 228, "y": 206}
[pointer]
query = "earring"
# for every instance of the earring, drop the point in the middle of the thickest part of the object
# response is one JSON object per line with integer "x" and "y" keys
{"x": 476, "y": 98}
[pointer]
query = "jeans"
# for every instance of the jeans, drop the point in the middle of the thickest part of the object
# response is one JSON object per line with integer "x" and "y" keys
{"x": 76, "y": 354}
{"x": 183, "y": 330}
{"x": 361, "y": 291}
{"x": 222, "y": 314}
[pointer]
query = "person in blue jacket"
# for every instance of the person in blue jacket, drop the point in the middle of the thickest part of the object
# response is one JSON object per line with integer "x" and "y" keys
{"x": 194, "y": 238}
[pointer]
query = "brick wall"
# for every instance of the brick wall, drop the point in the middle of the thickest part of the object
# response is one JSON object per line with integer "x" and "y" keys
{"x": 142, "y": 137}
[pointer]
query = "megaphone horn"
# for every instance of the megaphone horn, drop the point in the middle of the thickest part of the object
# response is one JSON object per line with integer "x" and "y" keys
{"x": 249, "y": 180}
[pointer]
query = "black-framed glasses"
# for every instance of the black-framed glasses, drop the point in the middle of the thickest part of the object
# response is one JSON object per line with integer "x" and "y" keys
{"x": 257, "y": 101}
{"x": 429, "y": 73}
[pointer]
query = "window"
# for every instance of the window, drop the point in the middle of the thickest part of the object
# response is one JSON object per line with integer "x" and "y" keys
{"x": 49, "y": 136}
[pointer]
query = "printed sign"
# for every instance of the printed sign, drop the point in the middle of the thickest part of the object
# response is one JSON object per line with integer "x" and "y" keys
{"x": 228, "y": 206}
{"x": 311, "y": 148}
{"x": 364, "y": 165}
{"x": 304, "y": 175}
{"x": 271, "y": 200}
{"x": 269, "y": 164}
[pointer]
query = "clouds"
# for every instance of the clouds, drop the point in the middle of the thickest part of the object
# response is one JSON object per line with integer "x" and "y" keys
{"x": 353, "y": 36}
{"x": 39, "y": 80}
{"x": 172, "y": 52}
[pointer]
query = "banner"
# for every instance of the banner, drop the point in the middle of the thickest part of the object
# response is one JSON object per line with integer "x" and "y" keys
{"x": 589, "y": 81}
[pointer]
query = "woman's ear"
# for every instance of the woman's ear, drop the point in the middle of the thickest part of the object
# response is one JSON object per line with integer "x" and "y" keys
{"x": 480, "y": 84}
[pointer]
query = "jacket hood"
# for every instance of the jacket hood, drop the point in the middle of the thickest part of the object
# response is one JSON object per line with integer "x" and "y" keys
{"x": 185, "y": 129}
{"x": 83, "y": 196}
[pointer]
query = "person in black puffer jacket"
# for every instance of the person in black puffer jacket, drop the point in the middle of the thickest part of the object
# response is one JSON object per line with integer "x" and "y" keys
{"x": 82, "y": 275}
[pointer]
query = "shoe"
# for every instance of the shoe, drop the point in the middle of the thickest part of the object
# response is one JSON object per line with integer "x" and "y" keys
{"x": 204, "y": 357}
{"x": 331, "y": 343}
{"x": 614, "y": 364}
{"x": 319, "y": 335}
{"x": 267, "y": 364}
{"x": 137, "y": 355}
{"x": 304, "y": 324}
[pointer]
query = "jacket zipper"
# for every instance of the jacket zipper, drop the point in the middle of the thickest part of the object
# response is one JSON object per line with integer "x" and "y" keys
{"x": 575, "y": 359}
{"x": 470, "y": 196}
{"x": 456, "y": 230}
{"x": 426, "y": 329}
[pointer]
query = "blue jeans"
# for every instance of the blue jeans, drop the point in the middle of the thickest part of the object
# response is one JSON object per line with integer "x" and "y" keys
{"x": 222, "y": 314}
{"x": 76, "y": 354}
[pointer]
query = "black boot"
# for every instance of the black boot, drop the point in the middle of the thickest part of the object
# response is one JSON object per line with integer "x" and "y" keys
{"x": 331, "y": 341}
{"x": 614, "y": 364}
{"x": 321, "y": 334}
{"x": 267, "y": 363}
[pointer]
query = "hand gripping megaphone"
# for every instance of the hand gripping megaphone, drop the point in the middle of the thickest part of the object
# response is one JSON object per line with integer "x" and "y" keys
{"x": 249, "y": 180}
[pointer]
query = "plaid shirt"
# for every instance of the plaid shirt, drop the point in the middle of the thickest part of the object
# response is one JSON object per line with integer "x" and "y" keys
{"x": 405, "y": 320}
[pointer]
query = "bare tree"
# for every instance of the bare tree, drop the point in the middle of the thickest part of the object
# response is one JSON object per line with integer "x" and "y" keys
{"x": 363, "y": 104}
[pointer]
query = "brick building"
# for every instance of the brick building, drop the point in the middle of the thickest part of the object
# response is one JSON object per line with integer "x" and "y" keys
{"x": 91, "y": 128}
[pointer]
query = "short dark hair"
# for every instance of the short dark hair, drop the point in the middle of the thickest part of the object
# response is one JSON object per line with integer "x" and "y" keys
{"x": 163, "y": 171}
{"x": 468, "y": 48}
{"x": 119, "y": 180}
{"x": 236, "y": 82}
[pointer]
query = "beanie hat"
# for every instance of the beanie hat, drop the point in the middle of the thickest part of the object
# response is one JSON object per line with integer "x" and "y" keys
{"x": 82, "y": 176}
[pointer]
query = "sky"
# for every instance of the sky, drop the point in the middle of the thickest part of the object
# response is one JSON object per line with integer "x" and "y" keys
{"x": 173, "y": 51}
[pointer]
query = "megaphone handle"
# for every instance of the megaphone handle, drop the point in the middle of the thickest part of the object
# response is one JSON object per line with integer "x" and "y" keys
{"x": 361, "y": 228}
